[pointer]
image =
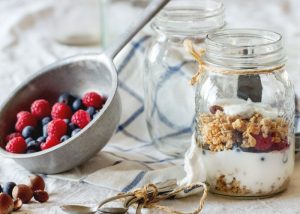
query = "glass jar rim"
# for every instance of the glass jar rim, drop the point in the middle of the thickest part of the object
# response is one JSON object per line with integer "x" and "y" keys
{"x": 190, "y": 18}
{"x": 267, "y": 34}
{"x": 205, "y": 6}
{"x": 245, "y": 48}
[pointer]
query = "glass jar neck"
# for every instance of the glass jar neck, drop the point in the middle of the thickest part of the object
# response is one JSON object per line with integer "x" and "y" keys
{"x": 245, "y": 49}
{"x": 190, "y": 18}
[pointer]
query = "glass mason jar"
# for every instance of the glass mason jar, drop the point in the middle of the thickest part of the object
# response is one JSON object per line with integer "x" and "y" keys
{"x": 245, "y": 114}
{"x": 169, "y": 100}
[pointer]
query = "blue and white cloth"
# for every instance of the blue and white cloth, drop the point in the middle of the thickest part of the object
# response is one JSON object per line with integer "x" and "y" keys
{"x": 129, "y": 160}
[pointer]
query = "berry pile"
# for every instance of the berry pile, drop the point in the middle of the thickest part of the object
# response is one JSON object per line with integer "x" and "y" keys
{"x": 46, "y": 126}
{"x": 13, "y": 196}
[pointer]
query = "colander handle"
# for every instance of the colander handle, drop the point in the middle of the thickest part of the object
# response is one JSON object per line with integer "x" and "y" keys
{"x": 152, "y": 9}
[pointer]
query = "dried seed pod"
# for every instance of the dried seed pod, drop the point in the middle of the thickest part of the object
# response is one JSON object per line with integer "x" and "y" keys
{"x": 6, "y": 203}
{"x": 40, "y": 196}
{"x": 23, "y": 192}
{"x": 17, "y": 204}
{"x": 36, "y": 183}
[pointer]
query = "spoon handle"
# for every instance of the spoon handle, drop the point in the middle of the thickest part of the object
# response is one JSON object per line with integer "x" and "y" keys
{"x": 152, "y": 9}
{"x": 114, "y": 198}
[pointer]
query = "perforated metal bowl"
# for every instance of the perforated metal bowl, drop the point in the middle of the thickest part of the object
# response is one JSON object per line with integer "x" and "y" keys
{"x": 76, "y": 75}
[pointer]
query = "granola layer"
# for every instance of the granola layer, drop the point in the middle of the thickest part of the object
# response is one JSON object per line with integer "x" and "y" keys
{"x": 222, "y": 132}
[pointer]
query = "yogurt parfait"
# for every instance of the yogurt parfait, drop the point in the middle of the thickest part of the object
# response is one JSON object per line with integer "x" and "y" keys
{"x": 244, "y": 137}
{"x": 246, "y": 149}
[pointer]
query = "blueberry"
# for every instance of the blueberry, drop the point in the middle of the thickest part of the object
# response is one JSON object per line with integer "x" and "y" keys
{"x": 45, "y": 131}
{"x": 262, "y": 159}
{"x": 75, "y": 132}
{"x": 46, "y": 120}
{"x": 1, "y": 190}
{"x": 41, "y": 139}
{"x": 28, "y": 140}
{"x": 34, "y": 145}
{"x": 28, "y": 131}
{"x": 66, "y": 98}
{"x": 71, "y": 127}
{"x": 8, "y": 188}
{"x": 238, "y": 149}
{"x": 95, "y": 115}
{"x": 237, "y": 137}
{"x": 205, "y": 146}
{"x": 91, "y": 111}
{"x": 64, "y": 138}
{"x": 77, "y": 104}
{"x": 67, "y": 121}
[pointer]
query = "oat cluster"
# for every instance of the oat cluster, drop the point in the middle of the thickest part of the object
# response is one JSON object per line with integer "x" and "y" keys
{"x": 234, "y": 187}
{"x": 221, "y": 132}
{"x": 230, "y": 187}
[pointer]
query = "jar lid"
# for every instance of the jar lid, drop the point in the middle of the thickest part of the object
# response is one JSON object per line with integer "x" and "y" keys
{"x": 245, "y": 48}
{"x": 190, "y": 18}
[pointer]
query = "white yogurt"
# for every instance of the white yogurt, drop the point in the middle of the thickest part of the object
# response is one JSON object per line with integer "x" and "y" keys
{"x": 258, "y": 172}
{"x": 193, "y": 166}
{"x": 246, "y": 109}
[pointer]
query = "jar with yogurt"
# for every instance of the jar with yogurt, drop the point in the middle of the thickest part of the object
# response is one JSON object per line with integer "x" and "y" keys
{"x": 245, "y": 113}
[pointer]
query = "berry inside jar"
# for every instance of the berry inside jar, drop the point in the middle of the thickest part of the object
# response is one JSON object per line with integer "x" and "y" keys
{"x": 44, "y": 125}
{"x": 247, "y": 148}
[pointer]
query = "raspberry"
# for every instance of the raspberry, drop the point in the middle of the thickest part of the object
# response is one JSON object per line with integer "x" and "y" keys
{"x": 40, "y": 108}
{"x": 280, "y": 146}
{"x": 12, "y": 136}
{"x": 81, "y": 118}
{"x": 93, "y": 99}
{"x": 16, "y": 145}
{"x": 263, "y": 144}
{"x": 22, "y": 113}
{"x": 50, "y": 142}
{"x": 25, "y": 120}
{"x": 61, "y": 111}
{"x": 57, "y": 128}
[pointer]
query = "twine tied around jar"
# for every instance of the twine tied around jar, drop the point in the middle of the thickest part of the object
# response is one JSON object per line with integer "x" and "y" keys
{"x": 198, "y": 55}
{"x": 149, "y": 195}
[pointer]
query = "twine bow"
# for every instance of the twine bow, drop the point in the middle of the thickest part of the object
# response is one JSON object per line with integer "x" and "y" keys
{"x": 149, "y": 196}
{"x": 150, "y": 200}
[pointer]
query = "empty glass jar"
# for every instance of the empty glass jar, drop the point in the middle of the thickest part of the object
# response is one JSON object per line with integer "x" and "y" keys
{"x": 169, "y": 99}
{"x": 245, "y": 114}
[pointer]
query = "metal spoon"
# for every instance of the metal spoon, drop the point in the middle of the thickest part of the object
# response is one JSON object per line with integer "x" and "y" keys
{"x": 78, "y": 209}
{"x": 163, "y": 188}
{"x": 112, "y": 210}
